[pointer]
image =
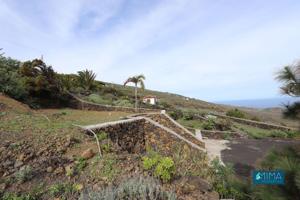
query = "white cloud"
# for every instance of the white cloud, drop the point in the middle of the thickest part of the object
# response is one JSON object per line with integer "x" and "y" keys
{"x": 210, "y": 50}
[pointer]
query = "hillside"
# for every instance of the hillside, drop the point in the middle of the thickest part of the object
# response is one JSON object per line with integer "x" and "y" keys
{"x": 44, "y": 155}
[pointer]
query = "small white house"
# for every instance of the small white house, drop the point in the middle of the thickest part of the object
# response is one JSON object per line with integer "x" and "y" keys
{"x": 150, "y": 99}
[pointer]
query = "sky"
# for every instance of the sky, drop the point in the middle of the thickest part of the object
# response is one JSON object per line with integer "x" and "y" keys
{"x": 212, "y": 50}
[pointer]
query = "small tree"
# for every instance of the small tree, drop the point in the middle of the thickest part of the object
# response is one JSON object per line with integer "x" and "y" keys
{"x": 86, "y": 79}
{"x": 139, "y": 79}
{"x": 290, "y": 77}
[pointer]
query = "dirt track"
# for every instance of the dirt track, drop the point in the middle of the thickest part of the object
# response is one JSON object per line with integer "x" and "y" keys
{"x": 245, "y": 153}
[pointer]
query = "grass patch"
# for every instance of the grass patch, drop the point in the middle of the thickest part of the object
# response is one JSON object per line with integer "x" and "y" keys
{"x": 63, "y": 190}
{"x": 59, "y": 120}
{"x": 105, "y": 168}
{"x": 258, "y": 133}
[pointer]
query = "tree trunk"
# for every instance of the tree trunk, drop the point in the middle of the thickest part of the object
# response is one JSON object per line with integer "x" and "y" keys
{"x": 136, "y": 100}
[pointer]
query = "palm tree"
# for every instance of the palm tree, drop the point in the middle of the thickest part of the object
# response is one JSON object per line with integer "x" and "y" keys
{"x": 87, "y": 78}
{"x": 139, "y": 79}
{"x": 290, "y": 77}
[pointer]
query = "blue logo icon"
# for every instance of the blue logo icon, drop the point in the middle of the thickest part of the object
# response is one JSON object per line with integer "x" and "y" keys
{"x": 264, "y": 177}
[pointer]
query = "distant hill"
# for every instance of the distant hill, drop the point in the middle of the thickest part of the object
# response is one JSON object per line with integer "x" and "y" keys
{"x": 261, "y": 103}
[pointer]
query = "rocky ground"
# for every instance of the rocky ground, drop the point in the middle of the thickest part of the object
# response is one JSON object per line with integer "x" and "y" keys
{"x": 43, "y": 156}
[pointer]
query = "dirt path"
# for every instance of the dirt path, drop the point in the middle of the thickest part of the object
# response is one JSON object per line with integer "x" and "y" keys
{"x": 214, "y": 147}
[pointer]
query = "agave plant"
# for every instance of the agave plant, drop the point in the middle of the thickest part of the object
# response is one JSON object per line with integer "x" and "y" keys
{"x": 139, "y": 79}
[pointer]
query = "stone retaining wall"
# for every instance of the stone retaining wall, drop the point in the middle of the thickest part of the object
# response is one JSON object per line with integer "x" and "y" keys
{"x": 255, "y": 123}
{"x": 165, "y": 121}
{"x": 133, "y": 135}
{"x": 221, "y": 134}
{"x": 79, "y": 103}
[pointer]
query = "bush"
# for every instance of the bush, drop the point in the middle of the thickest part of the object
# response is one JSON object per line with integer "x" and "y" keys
{"x": 188, "y": 116}
{"x": 208, "y": 125}
{"x": 63, "y": 190}
{"x": 134, "y": 188}
{"x": 223, "y": 125}
{"x": 235, "y": 113}
{"x": 12, "y": 196}
{"x": 163, "y": 167}
{"x": 95, "y": 98}
{"x": 123, "y": 103}
{"x": 24, "y": 174}
{"x": 176, "y": 114}
{"x": 278, "y": 134}
{"x": 102, "y": 136}
{"x": 225, "y": 183}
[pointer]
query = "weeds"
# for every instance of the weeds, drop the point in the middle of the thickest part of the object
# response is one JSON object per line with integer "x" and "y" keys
{"x": 63, "y": 190}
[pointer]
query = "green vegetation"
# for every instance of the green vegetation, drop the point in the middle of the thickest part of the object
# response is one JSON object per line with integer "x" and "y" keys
{"x": 289, "y": 76}
{"x": 105, "y": 168}
{"x": 63, "y": 190}
{"x": 287, "y": 160}
{"x": 209, "y": 124}
{"x": 102, "y": 136}
{"x": 258, "y": 133}
{"x": 235, "y": 113}
{"x": 226, "y": 183}
{"x": 161, "y": 167}
{"x": 87, "y": 79}
{"x": 13, "y": 196}
{"x": 134, "y": 188}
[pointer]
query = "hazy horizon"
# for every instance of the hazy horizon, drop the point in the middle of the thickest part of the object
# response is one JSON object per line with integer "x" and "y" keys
{"x": 261, "y": 103}
{"x": 210, "y": 50}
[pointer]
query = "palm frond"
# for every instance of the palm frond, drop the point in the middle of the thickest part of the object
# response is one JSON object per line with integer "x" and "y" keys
{"x": 287, "y": 74}
{"x": 129, "y": 80}
{"x": 140, "y": 77}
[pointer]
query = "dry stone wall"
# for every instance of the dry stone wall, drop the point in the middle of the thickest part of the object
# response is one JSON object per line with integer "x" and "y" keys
{"x": 134, "y": 135}
{"x": 255, "y": 123}
{"x": 165, "y": 121}
{"x": 79, "y": 103}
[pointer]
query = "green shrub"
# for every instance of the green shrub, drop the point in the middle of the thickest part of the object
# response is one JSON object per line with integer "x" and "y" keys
{"x": 134, "y": 188}
{"x": 12, "y": 196}
{"x": 176, "y": 114}
{"x": 102, "y": 136}
{"x": 63, "y": 190}
{"x": 278, "y": 134}
{"x": 123, "y": 103}
{"x": 24, "y": 174}
{"x": 223, "y": 124}
{"x": 163, "y": 167}
{"x": 95, "y": 98}
{"x": 106, "y": 147}
{"x": 188, "y": 116}
{"x": 208, "y": 125}
{"x": 235, "y": 113}
{"x": 225, "y": 183}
